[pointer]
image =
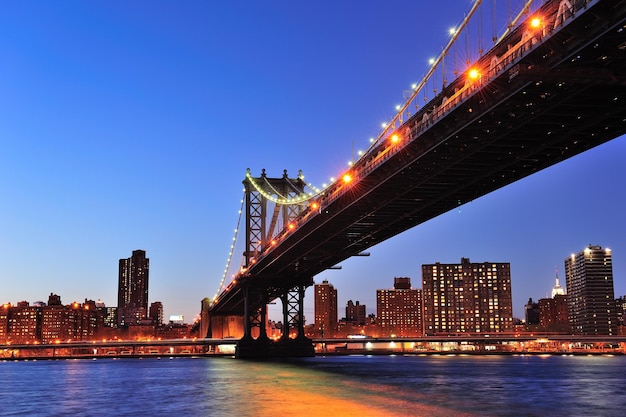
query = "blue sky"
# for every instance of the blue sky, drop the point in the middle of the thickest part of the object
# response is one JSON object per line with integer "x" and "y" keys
{"x": 130, "y": 125}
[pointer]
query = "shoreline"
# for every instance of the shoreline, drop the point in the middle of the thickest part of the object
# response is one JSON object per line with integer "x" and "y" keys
{"x": 317, "y": 354}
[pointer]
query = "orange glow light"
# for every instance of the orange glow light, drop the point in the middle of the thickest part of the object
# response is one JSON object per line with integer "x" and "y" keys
{"x": 395, "y": 138}
{"x": 347, "y": 178}
{"x": 473, "y": 74}
{"x": 291, "y": 226}
{"x": 315, "y": 206}
{"x": 535, "y": 22}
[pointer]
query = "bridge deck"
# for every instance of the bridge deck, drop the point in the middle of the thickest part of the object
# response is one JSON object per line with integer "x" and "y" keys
{"x": 543, "y": 98}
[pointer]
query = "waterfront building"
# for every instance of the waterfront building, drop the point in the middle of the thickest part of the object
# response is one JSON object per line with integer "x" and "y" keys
{"x": 591, "y": 297}
{"x": 325, "y": 309}
{"x": 355, "y": 314}
{"x": 467, "y": 297}
{"x": 399, "y": 310}
{"x": 40, "y": 323}
{"x": 132, "y": 295}
{"x": 24, "y": 323}
{"x": 4, "y": 322}
{"x": 553, "y": 314}
{"x": 54, "y": 324}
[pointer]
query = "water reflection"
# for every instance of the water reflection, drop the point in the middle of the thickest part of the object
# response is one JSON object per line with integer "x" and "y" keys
{"x": 322, "y": 386}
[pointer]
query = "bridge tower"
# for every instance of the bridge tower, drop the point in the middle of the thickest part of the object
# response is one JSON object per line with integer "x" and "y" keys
{"x": 270, "y": 208}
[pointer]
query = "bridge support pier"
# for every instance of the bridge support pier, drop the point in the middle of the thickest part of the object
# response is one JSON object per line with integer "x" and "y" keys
{"x": 293, "y": 317}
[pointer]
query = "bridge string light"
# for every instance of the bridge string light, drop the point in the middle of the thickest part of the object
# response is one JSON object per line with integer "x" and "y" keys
{"x": 230, "y": 253}
{"x": 279, "y": 198}
{"x": 434, "y": 63}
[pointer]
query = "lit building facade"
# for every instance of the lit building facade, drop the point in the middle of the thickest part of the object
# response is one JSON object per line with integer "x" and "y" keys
{"x": 132, "y": 295}
{"x": 39, "y": 323}
{"x": 399, "y": 310}
{"x": 467, "y": 297}
{"x": 24, "y": 323}
{"x": 325, "y": 309}
{"x": 591, "y": 297}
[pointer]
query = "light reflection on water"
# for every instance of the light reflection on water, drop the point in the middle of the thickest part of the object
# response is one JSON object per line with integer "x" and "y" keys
{"x": 322, "y": 386}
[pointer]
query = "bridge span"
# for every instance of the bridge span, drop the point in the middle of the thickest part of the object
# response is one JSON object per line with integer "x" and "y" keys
{"x": 553, "y": 87}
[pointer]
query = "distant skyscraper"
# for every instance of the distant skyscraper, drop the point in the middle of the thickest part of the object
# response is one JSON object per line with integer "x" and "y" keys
{"x": 132, "y": 295}
{"x": 590, "y": 295}
{"x": 399, "y": 310}
{"x": 325, "y": 309}
{"x": 467, "y": 297}
{"x": 557, "y": 289}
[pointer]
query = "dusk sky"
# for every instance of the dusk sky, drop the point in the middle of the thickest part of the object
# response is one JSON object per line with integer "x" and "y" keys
{"x": 130, "y": 125}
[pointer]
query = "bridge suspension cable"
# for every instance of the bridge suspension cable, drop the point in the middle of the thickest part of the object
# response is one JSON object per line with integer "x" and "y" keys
{"x": 516, "y": 20}
{"x": 439, "y": 64}
{"x": 230, "y": 253}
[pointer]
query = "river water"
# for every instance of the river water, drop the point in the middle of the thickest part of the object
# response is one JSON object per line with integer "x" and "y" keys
{"x": 321, "y": 386}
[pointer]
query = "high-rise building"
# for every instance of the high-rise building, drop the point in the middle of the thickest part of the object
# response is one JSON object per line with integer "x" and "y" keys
{"x": 355, "y": 314}
{"x": 467, "y": 297}
{"x": 591, "y": 298}
{"x": 399, "y": 310}
{"x": 325, "y": 309}
{"x": 132, "y": 295}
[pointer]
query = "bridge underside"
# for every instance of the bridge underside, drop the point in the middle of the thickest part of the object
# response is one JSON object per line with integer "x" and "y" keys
{"x": 567, "y": 95}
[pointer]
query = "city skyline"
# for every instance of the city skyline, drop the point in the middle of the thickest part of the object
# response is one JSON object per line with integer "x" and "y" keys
{"x": 130, "y": 127}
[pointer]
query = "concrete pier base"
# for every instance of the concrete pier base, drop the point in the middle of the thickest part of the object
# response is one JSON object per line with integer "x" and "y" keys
{"x": 266, "y": 349}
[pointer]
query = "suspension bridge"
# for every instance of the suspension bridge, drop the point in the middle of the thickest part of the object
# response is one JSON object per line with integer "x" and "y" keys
{"x": 553, "y": 85}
